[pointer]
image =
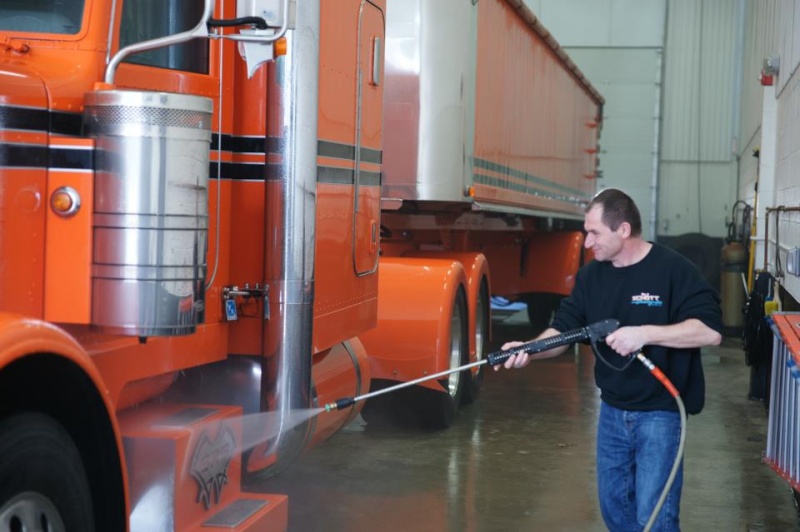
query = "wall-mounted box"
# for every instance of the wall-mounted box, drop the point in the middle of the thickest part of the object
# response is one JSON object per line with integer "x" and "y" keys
{"x": 793, "y": 261}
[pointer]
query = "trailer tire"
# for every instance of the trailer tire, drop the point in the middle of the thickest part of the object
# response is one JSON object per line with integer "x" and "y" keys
{"x": 472, "y": 389}
{"x": 44, "y": 484}
{"x": 437, "y": 410}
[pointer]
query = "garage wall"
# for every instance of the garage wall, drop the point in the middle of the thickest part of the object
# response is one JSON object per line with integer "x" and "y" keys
{"x": 771, "y": 122}
{"x": 702, "y": 95}
{"x": 760, "y": 42}
{"x": 714, "y": 114}
{"x": 691, "y": 60}
{"x": 618, "y": 44}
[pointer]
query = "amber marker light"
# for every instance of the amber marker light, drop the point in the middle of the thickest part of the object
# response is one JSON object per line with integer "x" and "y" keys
{"x": 65, "y": 201}
{"x": 280, "y": 47}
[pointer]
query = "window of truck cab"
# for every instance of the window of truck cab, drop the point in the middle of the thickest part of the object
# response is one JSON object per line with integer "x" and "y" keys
{"x": 143, "y": 20}
{"x": 60, "y": 17}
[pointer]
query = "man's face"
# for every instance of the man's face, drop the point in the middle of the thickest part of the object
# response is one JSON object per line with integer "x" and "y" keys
{"x": 604, "y": 243}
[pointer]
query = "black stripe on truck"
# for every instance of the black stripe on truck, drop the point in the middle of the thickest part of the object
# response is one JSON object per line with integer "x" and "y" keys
{"x": 26, "y": 156}
{"x": 31, "y": 119}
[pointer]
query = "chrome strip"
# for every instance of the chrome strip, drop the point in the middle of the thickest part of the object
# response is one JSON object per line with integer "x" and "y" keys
{"x": 290, "y": 220}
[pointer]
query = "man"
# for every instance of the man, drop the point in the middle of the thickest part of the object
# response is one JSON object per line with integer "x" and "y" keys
{"x": 665, "y": 308}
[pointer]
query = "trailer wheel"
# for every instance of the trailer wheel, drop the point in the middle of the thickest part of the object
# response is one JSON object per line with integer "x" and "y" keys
{"x": 472, "y": 388}
{"x": 437, "y": 410}
{"x": 43, "y": 486}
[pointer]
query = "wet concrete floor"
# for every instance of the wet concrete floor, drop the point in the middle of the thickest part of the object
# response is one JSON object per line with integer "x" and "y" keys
{"x": 522, "y": 458}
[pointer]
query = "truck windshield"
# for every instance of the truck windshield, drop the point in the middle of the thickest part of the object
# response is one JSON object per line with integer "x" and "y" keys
{"x": 41, "y": 16}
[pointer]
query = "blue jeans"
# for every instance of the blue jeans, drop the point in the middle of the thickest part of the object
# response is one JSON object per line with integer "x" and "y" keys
{"x": 635, "y": 453}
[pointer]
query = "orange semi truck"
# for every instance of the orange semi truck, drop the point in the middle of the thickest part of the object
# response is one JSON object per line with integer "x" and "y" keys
{"x": 219, "y": 215}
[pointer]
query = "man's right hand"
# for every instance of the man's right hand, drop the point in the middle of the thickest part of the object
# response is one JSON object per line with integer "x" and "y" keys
{"x": 514, "y": 361}
{"x": 523, "y": 359}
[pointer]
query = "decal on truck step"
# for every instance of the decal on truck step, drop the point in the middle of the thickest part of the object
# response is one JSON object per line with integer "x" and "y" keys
{"x": 210, "y": 465}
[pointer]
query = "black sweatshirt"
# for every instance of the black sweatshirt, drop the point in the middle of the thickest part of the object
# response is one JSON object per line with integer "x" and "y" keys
{"x": 663, "y": 288}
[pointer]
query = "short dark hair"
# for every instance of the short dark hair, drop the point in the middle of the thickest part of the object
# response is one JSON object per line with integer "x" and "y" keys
{"x": 618, "y": 208}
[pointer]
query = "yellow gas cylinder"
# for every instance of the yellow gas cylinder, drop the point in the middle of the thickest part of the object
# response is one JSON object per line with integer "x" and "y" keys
{"x": 733, "y": 291}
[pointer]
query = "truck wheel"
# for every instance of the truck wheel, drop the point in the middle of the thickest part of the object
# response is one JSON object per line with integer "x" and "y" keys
{"x": 472, "y": 388}
{"x": 44, "y": 486}
{"x": 437, "y": 410}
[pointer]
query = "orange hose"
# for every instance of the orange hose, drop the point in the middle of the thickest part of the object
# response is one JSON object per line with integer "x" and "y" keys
{"x": 658, "y": 374}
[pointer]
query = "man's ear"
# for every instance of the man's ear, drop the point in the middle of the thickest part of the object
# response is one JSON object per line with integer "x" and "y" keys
{"x": 625, "y": 229}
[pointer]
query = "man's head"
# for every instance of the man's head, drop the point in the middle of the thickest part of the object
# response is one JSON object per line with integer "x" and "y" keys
{"x": 612, "y": 220}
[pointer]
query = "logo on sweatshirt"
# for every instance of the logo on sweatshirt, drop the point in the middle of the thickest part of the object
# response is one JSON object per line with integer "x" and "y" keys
{"x": 646, "y": 298}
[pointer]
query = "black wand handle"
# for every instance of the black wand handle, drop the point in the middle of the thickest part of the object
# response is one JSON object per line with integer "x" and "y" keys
{"x": 592, "y": 332}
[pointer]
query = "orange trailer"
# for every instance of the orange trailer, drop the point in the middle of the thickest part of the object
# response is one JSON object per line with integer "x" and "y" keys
{"x": 219, "y": 215}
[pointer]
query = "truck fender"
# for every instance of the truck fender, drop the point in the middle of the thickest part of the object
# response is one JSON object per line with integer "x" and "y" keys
{"x": 21, "y": 338}
{"x": 415, "y": 297}
{"x": 476, "y": 268}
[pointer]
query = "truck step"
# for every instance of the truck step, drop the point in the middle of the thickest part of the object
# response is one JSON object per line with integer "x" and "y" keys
{"x": 184, "y": 471}
{"x": 259, "y": 512}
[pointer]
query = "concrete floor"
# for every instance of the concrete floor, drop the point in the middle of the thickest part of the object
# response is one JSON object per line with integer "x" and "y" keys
{"x": 522, "y": 458}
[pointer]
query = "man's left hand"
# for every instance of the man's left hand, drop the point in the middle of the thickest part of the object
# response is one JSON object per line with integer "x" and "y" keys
{"x": 627, "y": 340}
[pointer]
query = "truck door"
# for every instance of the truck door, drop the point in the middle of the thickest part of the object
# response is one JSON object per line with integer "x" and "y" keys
{"x": 369, "y": 138}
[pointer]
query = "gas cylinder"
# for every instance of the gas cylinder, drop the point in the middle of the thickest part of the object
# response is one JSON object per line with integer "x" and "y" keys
{"x": 733, "y": 259}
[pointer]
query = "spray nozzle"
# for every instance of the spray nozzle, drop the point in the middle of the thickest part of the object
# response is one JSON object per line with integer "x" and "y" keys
{"x": 340, "y": 404}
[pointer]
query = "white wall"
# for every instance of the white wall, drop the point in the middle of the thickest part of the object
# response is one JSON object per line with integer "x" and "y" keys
{"x": 771, "y": 122}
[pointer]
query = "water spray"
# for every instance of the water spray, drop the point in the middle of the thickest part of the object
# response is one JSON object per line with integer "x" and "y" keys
{"x": 592, "y": 333}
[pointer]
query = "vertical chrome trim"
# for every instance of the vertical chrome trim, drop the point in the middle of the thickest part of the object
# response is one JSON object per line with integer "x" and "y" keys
{"x": 290, "y": 231}
{"x": 360, "y": 75}
{"x": 111, "y": 29}
{"x": 357, "y": 169}
{"x": 218, "y": 165}
{"x": 377, "y": 59}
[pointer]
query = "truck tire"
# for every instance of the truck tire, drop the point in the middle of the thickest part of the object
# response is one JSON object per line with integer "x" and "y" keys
{"x": 474, "y": 380}
{"x": 437, "y": 410}
{"x": 43, "y": 485}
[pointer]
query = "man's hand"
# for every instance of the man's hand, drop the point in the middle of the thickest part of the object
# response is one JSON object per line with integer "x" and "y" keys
{"x": 627, "y": 340}
{"x": 523, "y": 359}
{"x": 514, "y": 361}
{"x": 687, "y": 334}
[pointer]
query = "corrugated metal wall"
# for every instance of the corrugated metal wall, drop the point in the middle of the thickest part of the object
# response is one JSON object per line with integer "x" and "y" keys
{"x": 697, "y": 186}
{"x": 699, "y": 80}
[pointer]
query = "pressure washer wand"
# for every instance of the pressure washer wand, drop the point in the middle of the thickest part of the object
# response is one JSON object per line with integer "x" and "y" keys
{"x": 344, "y": 402}
{"x": 592, "y": 332}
